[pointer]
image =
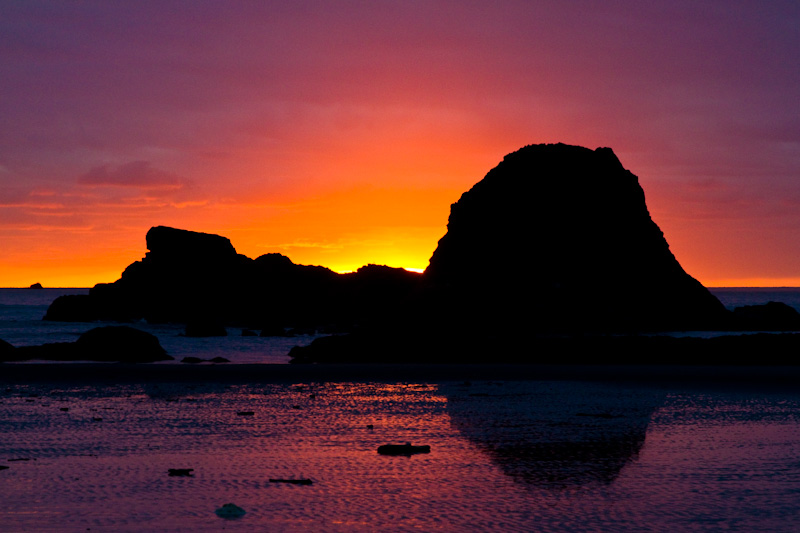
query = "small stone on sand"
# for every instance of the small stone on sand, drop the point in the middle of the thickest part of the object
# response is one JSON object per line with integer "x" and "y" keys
{"x": 292, "y": 481}
{"x": 181, "y": 472}
{"x": 230, "y": 511}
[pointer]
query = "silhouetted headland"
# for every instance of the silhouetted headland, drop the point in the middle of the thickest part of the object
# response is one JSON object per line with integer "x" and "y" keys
{"x": 552, "y": 255}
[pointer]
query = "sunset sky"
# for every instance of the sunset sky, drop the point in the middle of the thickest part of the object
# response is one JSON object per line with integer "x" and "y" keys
{"x": 339, "y": 133}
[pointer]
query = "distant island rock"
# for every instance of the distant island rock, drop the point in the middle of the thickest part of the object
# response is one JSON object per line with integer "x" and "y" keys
{"x": 36, "y": 286}
{"x": 104, "y": 344}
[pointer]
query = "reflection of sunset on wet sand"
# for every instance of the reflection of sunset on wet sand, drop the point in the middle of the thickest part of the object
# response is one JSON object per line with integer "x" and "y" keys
{"x": 510, "y": 456}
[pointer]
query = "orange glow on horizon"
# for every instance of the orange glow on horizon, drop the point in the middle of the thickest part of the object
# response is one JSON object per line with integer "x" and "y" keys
{"x": 341, "y": 212}
{"x": 341, "y": 229}
{"x": 774, "y": 283}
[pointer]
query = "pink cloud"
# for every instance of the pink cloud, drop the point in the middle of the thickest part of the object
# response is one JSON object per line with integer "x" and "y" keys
{"x": 139, "y": 174}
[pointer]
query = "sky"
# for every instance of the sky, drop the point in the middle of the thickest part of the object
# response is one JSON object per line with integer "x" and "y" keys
{"x": 339, "y": 133}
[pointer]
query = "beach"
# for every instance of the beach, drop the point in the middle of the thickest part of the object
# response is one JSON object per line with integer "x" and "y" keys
{"x": 513, "y": 448}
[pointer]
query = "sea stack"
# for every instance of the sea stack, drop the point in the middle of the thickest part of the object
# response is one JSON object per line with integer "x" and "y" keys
{"x": 185, "y": 276}
{"x": 558, "y": 238}
{"x": 199, "y": 279}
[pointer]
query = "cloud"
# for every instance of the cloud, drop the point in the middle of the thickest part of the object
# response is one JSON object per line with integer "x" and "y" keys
{"x": 140, "y": 185}
{"x": 138, "y": 174}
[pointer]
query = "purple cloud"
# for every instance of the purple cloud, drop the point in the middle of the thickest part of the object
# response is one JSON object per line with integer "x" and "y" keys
{"x": 139, "y": 174}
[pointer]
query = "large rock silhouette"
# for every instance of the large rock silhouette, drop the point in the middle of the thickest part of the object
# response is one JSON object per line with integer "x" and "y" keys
{"x": 558, "y": 238}
{"x": 199, "y": 278}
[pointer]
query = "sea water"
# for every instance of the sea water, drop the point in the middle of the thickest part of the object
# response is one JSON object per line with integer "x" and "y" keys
{"x": 21, "y": 324}
{"x": 504, "y": 456}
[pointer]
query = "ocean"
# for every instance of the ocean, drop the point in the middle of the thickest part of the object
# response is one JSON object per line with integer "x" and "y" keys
{"x": 301, "y": 455}
{"x": 21, "y": 324}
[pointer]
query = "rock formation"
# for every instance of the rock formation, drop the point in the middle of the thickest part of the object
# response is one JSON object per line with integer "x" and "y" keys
{"x": 106, "y": 344}
{"x": 559, "y": 238}
{"x": 772, "y": 316}
{"x": 198, "y": 279}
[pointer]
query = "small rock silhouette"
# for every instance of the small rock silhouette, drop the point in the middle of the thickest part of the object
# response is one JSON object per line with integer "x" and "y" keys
{"x": 292, "y": 481}
{"x": 230, "y": 511}
{"x": 403, "y": 449}
{"x": 181, "y": 472}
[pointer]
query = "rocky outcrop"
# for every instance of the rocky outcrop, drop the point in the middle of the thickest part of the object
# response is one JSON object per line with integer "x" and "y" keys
{"x": 772, "y": 316}
{"x": 120, "y": 343}
{"x": 184, "y": 276}
{"x": 402, "y": 347}
{"x": 80, "y": 308}
{"x": 559, "y": 238}
{"x": 105, "y": 344}
{"x": 198, "y": 279}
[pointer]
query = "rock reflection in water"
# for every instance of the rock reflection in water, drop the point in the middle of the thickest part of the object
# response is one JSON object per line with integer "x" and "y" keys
{"x": 559, "y": 435}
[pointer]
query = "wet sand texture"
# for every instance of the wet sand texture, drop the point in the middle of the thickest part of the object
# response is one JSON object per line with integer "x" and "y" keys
{"x": 505, "y": 455}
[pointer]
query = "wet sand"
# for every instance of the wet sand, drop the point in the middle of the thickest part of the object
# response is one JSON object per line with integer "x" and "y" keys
{"x": 112, "y": 373}
{"x": 516, "y": 454}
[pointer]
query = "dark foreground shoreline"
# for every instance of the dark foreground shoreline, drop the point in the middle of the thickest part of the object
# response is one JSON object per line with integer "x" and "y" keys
{"x": 114, "y": 373}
